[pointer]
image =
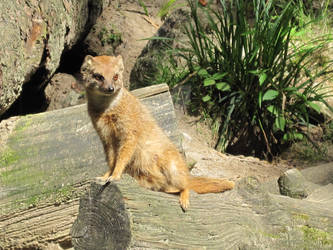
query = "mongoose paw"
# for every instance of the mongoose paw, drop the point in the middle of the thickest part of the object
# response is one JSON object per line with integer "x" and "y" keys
{"x": 184, "y": 199}
{"x": 101, "y": 181}
{"x": 113, "y": 178}
{"x": 184, "y": 204}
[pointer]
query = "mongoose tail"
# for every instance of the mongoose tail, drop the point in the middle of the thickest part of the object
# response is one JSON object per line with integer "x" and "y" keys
{"x": 203, "y": 185}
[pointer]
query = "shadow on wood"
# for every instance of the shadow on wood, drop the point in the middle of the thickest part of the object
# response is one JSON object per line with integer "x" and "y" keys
{"x": 102, "y": 222}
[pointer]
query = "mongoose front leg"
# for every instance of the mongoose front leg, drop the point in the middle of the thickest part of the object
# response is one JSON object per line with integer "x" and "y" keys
{"x": 110, "y": 159}
{"x": 123, "y": 157}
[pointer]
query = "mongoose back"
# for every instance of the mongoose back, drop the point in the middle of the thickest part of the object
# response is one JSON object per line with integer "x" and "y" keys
{"x": 132, "y": 140}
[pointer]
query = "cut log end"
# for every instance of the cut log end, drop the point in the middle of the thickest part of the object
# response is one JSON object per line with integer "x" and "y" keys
{"x": 103, "y": 222}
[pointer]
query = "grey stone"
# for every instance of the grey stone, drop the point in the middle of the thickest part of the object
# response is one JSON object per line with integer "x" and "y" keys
{"x": 292, "y": 184}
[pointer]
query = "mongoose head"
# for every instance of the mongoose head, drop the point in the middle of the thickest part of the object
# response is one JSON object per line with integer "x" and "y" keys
{"x": 103, "y": 74}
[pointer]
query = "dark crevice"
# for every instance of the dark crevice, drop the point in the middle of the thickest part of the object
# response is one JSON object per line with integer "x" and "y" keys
{"x": 71, "y": 60}
{"x": 32, "y": 99}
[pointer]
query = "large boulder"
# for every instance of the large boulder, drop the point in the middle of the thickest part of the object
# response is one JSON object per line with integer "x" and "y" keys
{"x": 34, "y": 35}
{"x": 155, "y": 52}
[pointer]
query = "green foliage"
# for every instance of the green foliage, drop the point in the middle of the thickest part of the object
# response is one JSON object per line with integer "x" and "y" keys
{"x": 305, "y": 152}
{"x": 144, "y": 7}
{"x": 309, "y": 24}
{"x": 166, "y": 8}
{"x": 110, "y": 37}
{"x": 314, "y": 235}
{"x": 253, "y": 79}
{"x": 168, "y": 71}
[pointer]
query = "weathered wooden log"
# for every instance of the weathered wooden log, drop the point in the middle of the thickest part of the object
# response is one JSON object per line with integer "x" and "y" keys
{"x": 123, "y": 215}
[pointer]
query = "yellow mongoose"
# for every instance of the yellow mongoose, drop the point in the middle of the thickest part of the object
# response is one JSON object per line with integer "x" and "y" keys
{"x": 132, "y": 140}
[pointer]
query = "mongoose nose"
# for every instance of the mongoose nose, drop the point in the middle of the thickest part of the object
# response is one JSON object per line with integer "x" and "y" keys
{"x": 110, "y": 89}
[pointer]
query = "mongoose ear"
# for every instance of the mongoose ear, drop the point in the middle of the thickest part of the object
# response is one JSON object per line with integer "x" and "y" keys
{"x": 86, "y": 65}
{"x": 88, "y": 59}
{"x": 120, "y": 62}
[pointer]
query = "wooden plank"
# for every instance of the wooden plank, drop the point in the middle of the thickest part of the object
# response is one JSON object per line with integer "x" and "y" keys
{"x": 150, "y": 91}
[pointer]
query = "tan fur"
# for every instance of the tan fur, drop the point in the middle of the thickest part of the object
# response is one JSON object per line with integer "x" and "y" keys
{"x": 132, "y": 140}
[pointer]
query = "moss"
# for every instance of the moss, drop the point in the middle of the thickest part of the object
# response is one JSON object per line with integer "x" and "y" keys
{"x": 303, "y": 217}
{"x": 57, "y": 196}
{"x": 111, "y": 37}
{"x": 23, "y": 123}
{"x": 32, "y": 201}
{"x": 24, "y": 174}
{"x": 315, "y": 235}
{"x": 8, "y": 157}
{"x": 49, "y": 196}
{"x": 64, "y": 194}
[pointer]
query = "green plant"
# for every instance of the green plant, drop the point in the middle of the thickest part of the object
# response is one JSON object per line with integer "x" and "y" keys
{"x": 258, "y": 86}
{"x": 315, "y": 235}
{"x": 166, "y": 8}
{"x": 309, "y": 24}
{"x": 328, "y": 132}
{"x": 168, "y": 70}
{"x": 307, "y": 153}
{"x": 111, "y": 37}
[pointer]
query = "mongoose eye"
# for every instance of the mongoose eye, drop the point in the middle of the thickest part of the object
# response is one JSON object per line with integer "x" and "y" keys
{"x": 115, "y": 77}
{"x": 98, "y": 77}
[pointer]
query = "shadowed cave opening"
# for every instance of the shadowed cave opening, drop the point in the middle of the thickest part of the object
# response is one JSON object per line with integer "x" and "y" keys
{"x": 32, "y": 99}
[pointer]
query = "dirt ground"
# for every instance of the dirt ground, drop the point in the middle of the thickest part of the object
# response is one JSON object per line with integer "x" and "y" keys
{"x": 208, "y": 162}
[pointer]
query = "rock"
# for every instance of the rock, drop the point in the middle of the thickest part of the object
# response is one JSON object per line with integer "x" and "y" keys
{"x": 63, "y": 91}
{"x": 292, "y": 184}
{"x": 321, "y": 174}
{"x": 34, "y": 35}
